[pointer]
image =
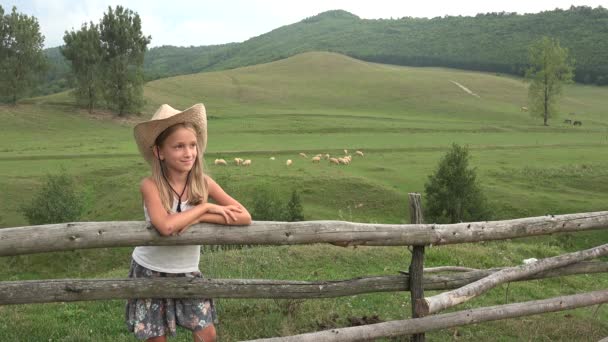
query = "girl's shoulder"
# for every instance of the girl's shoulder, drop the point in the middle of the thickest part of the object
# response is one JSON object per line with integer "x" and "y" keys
{"x": 147, "y": 183}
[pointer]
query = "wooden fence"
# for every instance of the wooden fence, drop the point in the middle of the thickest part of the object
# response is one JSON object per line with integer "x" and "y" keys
{"x": 465, "y": 283}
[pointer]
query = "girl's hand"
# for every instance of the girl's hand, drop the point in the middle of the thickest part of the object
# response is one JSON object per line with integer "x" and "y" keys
{"x": 227, "y": 211}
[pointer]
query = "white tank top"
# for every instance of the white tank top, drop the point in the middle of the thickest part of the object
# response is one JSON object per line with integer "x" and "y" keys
{"x": 168, "y": 259}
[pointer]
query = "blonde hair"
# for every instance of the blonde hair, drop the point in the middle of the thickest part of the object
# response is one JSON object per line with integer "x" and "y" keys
{"x": 197, "y": 186}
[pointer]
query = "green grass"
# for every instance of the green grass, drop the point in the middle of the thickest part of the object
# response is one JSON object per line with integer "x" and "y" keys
{"x": 404, "y": 119}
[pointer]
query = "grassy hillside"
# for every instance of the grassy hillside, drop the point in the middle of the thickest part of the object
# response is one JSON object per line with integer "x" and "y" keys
{"x": 403, "y": 118}
{"x": 495, "y": 42}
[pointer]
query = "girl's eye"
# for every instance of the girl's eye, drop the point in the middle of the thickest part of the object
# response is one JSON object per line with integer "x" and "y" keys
{"x": 179, "y": 146}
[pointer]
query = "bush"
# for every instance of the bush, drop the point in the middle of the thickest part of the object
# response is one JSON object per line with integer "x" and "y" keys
{"x": 269, "y": 206}
{"x": 452, "y": 193}
{"x": 57, "y": 201}
{"x": 293, "y": 210}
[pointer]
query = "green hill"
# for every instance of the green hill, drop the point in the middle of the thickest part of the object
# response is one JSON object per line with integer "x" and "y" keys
{"x": 496, "y": 42}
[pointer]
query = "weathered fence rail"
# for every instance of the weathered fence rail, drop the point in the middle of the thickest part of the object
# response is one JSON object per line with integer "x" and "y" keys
{"x": 453, "y": 319}
{"x": 83, "y": 235}
{"x": 70, "y": 290}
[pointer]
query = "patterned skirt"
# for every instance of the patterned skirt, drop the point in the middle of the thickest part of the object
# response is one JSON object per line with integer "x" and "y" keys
{"x": 154, "y": 317}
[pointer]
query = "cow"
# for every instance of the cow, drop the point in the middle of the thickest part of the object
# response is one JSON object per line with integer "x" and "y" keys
{"x": 577, "y": 123}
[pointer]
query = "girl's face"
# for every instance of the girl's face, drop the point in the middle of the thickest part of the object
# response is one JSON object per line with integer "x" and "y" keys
{"x": 179, "y": 150}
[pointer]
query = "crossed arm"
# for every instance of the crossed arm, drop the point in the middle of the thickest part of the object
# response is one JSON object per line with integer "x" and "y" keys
{"x": 227, "y": 210}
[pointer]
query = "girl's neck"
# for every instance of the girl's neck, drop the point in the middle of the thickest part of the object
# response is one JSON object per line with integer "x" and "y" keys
{"x": 177, "y": 178}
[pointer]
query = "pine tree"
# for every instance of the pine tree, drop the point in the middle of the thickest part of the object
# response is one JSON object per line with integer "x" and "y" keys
{"x": 452, "y": 193}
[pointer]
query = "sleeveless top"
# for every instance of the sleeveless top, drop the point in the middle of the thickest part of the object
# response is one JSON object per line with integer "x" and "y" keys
{"x": 168, "y": 259}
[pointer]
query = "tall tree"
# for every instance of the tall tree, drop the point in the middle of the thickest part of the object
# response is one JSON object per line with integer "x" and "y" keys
{"x": 83, "y": 50}
{"x": 550, "y": 67}
{"x": 124, "y": 47}
{"x": 21, "y": 58}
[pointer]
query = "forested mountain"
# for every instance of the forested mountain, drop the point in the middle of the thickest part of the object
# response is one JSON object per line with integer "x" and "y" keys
{"x": 496, "y": 42}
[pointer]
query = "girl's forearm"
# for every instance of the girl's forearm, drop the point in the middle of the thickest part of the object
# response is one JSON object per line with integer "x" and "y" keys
{"x": 176, "y": 222}
{"x": 241, "y": 219}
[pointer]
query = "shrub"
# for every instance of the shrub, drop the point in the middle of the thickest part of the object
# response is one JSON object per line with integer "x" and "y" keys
{"x": 57, "y": 201}
{"x": 294, "y": 209}
{"x": 452, "y": 193}
{"x": 268, "y": 205}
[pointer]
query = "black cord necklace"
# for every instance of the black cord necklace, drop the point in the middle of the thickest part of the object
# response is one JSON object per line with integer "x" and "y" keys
{"x": 179, "y": 196}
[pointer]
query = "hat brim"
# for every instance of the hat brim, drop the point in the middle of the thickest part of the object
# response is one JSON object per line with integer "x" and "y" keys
{"x": 146, "y": 132}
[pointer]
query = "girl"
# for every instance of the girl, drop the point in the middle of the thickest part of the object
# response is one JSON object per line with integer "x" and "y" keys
{"x": 175, "y": 197}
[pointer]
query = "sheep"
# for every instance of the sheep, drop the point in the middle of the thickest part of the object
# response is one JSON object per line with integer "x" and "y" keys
{"x": 247, "y": 162}
{"x": 359, "y": 153}
{"x": 303, "y": 155}
{"x": 334, "y": 161}
{"x": 326, "y": 156}
{"x": 220, "y": 162}
{"x": 271, "y": 158}
{"x": 524, "y": 109}
{"x": 344, "y": 161}
{"x": 345, "y": 151}
{"x": 288, "y": 162}
{"x": 316, "y": 159}
{"x": 238, "y": 161}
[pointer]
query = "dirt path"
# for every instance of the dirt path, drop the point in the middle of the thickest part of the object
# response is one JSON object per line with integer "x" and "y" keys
{"x": 465, "y": 89}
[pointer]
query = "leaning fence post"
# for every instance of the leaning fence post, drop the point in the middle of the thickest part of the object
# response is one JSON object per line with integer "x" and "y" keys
{"x": 417, "y": 264}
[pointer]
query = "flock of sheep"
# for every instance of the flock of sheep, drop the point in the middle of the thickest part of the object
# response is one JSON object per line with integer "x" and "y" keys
{"x": 345, "y": 160}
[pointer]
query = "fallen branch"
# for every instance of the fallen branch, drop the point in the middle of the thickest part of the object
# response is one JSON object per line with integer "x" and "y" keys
{"x": 453, "y": 319}
{"x": 449, "y": 299}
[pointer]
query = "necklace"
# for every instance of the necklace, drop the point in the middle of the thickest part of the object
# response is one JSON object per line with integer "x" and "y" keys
{"x": 179, "y": 196}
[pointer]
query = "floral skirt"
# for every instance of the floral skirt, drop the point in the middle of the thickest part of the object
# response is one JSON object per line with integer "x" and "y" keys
{"x": 154, "y": 317}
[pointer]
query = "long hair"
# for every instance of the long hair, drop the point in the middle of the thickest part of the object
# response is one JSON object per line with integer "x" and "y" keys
{"x": 197, "y": 186}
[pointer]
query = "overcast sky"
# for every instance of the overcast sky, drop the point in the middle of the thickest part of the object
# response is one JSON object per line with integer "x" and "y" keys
{"x": 204, "y": 22}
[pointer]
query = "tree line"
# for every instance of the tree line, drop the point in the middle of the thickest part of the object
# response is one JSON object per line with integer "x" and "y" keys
{"x": 106, "y": 59}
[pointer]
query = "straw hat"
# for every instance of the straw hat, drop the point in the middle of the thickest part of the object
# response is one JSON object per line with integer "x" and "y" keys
{"x": 165, "y": 117}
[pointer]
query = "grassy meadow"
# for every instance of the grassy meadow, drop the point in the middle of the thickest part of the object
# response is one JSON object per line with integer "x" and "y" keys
{"x": 404, "y": 119}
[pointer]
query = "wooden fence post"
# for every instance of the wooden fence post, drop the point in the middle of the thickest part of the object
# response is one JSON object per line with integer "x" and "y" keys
{"x": 417, "y": 265}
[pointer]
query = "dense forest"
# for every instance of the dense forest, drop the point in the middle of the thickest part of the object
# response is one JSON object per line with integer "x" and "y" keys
{"x": 495, "y": 42}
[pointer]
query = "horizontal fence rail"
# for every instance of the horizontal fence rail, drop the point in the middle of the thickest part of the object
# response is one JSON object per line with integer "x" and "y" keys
{"x": 83, "y": 235}
{"x": 453, "y": 319}
{"x": 68, "y": 290}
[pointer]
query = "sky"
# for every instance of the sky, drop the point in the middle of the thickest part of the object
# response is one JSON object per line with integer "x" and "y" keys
{"x": 205, "y": 22}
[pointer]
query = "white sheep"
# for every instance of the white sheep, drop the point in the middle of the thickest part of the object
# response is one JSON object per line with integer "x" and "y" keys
{"x": 220, "y": 162}
{"x": 288, "y": 162}
{"x": 246, "y": 162}
{"x": 303, "y": 155}
{"x": 316, "y": 159}
{"x": 359, "y": 153}
{"x": 271, "y": 158}
{"x": 334, "y": 161}
{"x": 238, "y": 161}
{"x": 345, "y": 151}
{"x": 326, "y": 156}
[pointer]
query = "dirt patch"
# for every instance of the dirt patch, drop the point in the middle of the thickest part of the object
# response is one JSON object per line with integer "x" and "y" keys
{"x": 106, "y": 115}
{"x": 465, "y": 89}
